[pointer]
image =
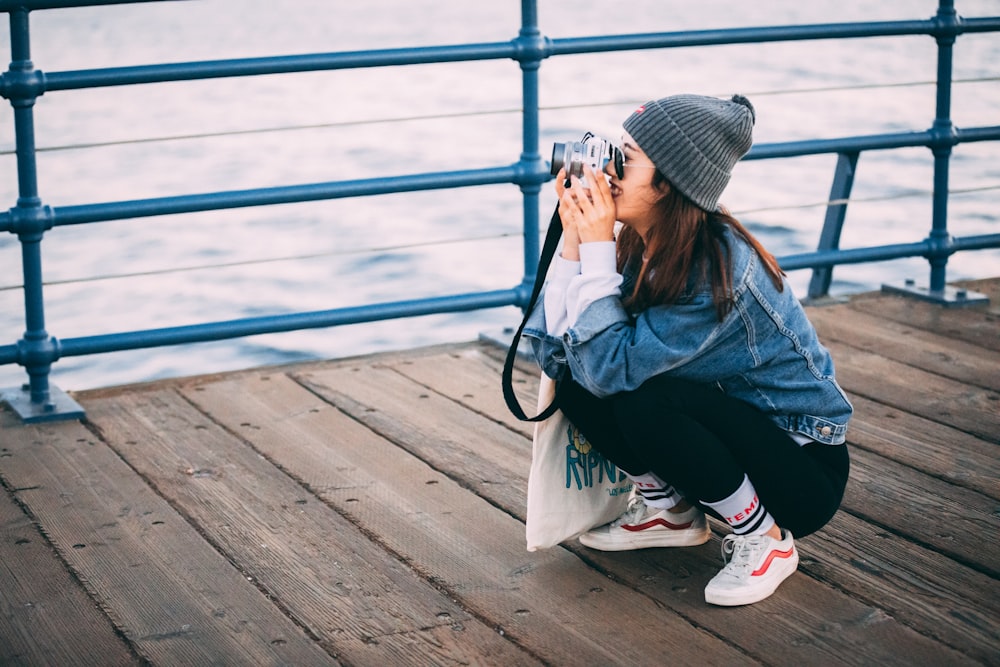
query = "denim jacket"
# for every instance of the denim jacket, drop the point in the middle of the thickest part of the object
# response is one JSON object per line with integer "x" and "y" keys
{"x": 764, "y": 352}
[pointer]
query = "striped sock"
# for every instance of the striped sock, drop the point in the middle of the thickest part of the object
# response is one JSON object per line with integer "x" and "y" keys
{"x": 743, "y": 511}
{"x": 654, "y": 491}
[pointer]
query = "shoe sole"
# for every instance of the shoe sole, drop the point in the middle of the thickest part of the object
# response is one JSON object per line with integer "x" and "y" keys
{"x": 650, "y": 541}
{"x": 739, "y": 598}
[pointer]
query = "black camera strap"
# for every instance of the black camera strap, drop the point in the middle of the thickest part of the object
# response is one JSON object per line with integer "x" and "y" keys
{"x": 548, "y": 252}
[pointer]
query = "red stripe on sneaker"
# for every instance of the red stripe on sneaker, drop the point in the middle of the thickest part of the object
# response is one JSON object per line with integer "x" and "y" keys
{"x": 770, "y": 557}
{"x": 636, "y": 527}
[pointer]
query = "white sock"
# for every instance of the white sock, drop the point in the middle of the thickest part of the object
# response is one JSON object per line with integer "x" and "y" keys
{"x": 654, "y": 491}
{"x": 743, "y": 511}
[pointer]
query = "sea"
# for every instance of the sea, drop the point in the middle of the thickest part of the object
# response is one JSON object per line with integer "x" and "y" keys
{"x": 153, "y": 140}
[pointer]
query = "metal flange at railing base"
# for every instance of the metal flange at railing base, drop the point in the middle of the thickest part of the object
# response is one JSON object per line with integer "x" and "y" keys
{"x": 59, "y": 407}
{"x": 949, "y": 297}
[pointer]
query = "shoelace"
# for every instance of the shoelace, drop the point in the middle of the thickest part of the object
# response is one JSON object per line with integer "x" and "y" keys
{"x": 636, "y": 508}
{"x": 740, "y": 552}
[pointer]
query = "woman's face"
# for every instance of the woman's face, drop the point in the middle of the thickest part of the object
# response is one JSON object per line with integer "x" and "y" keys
{"x": 634, "y": 193}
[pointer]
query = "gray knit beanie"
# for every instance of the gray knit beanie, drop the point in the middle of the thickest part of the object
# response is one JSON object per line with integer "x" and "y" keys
{"x": 694, "y": 141}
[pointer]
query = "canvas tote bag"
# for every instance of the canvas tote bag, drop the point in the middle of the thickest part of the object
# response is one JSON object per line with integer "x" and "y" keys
{"x": 571, "y": 487}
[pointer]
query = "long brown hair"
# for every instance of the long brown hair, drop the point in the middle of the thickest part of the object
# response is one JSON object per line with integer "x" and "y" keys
{"x": 686, "y": 238}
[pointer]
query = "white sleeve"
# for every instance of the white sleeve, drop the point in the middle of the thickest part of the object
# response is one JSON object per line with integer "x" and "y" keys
{"x": 562, "y": 272}
{"x": 597, "y": 279}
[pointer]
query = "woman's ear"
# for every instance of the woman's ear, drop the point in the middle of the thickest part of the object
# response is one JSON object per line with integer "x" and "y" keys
{"x": 661, "y": 184}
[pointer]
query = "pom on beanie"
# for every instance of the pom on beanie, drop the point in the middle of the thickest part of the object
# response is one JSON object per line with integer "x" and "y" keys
{"x": 695, "y": 141}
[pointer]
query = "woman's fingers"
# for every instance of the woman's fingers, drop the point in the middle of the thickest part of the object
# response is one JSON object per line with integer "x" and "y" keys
{"x": 561, "y": 182}
{"x": 595, "y": 208}
{"x": 599, "y": 187}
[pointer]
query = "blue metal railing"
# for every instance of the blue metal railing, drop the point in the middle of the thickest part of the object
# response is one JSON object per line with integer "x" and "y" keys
{"x": 30, "y": 218}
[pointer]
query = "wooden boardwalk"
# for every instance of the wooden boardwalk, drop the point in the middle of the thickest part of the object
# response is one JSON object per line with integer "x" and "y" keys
{"x": 370, "y": 512}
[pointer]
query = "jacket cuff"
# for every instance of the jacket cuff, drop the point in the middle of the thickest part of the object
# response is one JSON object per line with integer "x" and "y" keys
{"x": 597, "y": 317}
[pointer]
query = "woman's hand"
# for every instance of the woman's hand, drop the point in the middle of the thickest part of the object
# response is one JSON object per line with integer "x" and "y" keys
{"x": 589, "y": 212}
{"x": 571, "y": 238}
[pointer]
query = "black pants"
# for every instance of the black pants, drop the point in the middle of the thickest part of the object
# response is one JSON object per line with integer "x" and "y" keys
{"x": 703, "y": 442}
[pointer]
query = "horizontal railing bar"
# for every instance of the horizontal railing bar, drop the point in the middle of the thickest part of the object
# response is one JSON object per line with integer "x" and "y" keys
{"x": 991, "y": 133}
{"x": 825, "y": 258}
{"x": 252, "y": 326}
{"x": 140, "y": 74}
{"x": 980, "y": 242}
{"x": 363, "y": 250}
{"x": 981, "y": 24}
{"x": 867, "y": 142}
{"x": 723, "y": 36}
{"x": 312, "y": 62}
{"x": 839, "y": 145}
{"x": 88, "y": 213}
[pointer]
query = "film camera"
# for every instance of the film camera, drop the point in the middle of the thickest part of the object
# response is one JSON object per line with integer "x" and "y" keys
{"x": 593, "y": 151}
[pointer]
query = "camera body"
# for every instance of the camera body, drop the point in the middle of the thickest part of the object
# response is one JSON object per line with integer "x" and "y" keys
{"x": 592, "y": 151}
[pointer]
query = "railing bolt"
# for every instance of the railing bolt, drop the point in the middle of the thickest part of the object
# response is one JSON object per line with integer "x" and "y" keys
{"x": 910, "y": 282}
{"x": 961, "y": 294}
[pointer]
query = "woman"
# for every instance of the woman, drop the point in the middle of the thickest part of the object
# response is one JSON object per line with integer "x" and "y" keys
{"x": 683, "y": 356}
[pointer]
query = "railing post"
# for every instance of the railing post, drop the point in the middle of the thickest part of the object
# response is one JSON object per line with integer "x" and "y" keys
{"x": 22, "y": 84}
{"x": 944, "y": 132}
{"x": 532, "y": 49}
{"x": 940, "y": 243}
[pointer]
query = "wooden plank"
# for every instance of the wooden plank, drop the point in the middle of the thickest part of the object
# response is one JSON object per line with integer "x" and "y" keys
{"x": 975, "y": 325}
{"x": 480, "y": 454}
{"x": 805, "y": 600}
{"x": 548, "y": 602}
{"x": 46, "y": 617}
{"x": 957, "y": 522}
{"x": 363, "y": 604}
{"x": 955, "y": 359}
{"x": 172, "y": 596}
{"x": 916, "y": 586}
{"x": 936, "y": 449}
{"x": 471, "y": 377}
{"x": 967, "y": 408}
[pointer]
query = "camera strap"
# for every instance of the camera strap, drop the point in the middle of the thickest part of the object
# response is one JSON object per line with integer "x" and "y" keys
{"x": 548, "y": 252}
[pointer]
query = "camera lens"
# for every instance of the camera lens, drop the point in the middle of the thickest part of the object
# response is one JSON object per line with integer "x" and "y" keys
{"x": 618, "y": 160}
{"x": 558, "y": 158}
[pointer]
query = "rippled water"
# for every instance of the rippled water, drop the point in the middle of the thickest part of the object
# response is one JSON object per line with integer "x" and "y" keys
{"x": 175, "y": 270}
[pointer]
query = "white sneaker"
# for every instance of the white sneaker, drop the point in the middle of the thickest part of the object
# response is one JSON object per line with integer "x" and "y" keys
{"x": 757, "y": 565}
{"x": 642, "y": 527}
